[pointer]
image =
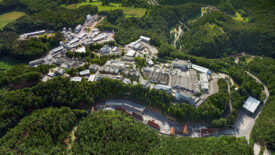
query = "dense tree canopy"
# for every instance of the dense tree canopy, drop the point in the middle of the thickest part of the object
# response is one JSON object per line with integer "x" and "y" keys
{"x": 263, "y": 132}
{"x": 54, "y": 19}
{"x": 112, "y": 133}
{"x": 43, "y": 132}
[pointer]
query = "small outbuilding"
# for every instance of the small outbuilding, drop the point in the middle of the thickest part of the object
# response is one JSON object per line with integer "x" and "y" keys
{"x": 251, "y": 104}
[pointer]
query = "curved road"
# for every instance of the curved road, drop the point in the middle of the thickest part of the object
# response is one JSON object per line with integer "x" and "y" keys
{"x": 243, "y": 125}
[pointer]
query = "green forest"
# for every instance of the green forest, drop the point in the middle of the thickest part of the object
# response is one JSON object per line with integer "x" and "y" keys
{"x": 65, "y": 131}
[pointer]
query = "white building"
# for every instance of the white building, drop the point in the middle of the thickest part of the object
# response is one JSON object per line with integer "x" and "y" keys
{"x": 76, "y": 79}
{"x": 106, "y": 49}
{"x": 127, "y": 81}
{"x": 92, "y": 78}
{"x": 26, "y": 35}
{"x": 84, "y": 73}
{"x": 131, "y": 53}
{"x": 78, "y": 28}
{"x": 145, "y": 39}
{"x": 82, "y": 35}
{"x": 36, "y": 62}
{"x": 168, "y": 89}
{"x": 74, "y": 41}
{"x": 204, "y": 82}
{"x": 181, "y": 64}
{"x": 201, "y": 69}
{"x": 100, "y": 37}
{"x": 88, "y": 18}
{"x": 81, "y": 50}
{"x": 187, "y": 97}
{"x": 251, "y": 104}
{"x": 150, "y": 62}
{"x": 55, "y": 50}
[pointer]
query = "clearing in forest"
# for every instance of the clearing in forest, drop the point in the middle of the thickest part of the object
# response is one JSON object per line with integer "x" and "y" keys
{"x": 9, "y": 17}
{"x": 128, "y": 11}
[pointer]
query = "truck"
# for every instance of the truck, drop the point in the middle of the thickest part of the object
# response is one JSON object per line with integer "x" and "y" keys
{"x": 137, "y": 116}
{"x": 153, "y": 124}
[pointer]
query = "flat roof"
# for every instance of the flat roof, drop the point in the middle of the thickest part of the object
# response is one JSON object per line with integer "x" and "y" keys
{"x": 145, "y": 38}
{"x": 200, "y": 68}
{"x": 91, "y": 78}
{"x": 76, "y": 79}
{"x": 251, "y": 104}
{"x": 131, "y": 53}
{"x": 84, "y": 72}
{"x": 81, "y": 50}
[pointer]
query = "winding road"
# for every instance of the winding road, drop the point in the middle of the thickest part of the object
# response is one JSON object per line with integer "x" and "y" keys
{"x": 242, "y": 128}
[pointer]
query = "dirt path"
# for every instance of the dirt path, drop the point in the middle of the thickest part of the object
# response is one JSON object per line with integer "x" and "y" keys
{"x": 178, "y": 31}
{"x": 72, "y": 138}
{"x": 229, "y": 95}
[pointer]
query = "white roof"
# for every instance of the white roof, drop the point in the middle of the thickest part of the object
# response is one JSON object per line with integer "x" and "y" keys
{"x": 58, "y": 48}
{"x": 91, "y": 78}
{"x": 145, "y": 38}
{"x": 85, "y": 72}
{"x": 51, "y": 74}
{"x": 127, "y": 81}
{"x": 76, "y": 79}
{"x": 162, "y": 87}
{"x": 150, "y": 62}
{"x": 251, "y": 104}
{"x": 81, "y": 50}
{"x": 204, "y": 85}
{"x": 200, "y": 69}
{"x": 73, "y": 41}
{"x": 131, "y": 53}
{"x": 203, "y": 77}
{"x": 34, "y": 33}
{"x": 81, "y": 35}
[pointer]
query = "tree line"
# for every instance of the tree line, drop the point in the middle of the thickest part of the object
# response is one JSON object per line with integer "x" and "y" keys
{"x": 57, "y": 131}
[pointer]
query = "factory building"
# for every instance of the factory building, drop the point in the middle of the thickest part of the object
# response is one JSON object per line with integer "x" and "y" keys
{"x": 188, "y": 97}
{"x": 204, "y": 82}
{"x": 130, "y": 55}
{"x": 76, "y": 79}
{"x": 56, "y": 50}
{"x": 251, "y": 104}
{"x": 36, "y": 62}
{"x": 181, "y": 64}
{"x": 168, "y": 89}
{"x": 78, "y": 28}
{"x": 84, "y": 73}
{"x": 27, "y": 35}
{"x": 93, "y": 67}
{"x": 92, "y": 78}
{"x": 145, "y": 39}
{"x": 106, "y": 49}
{"x": 201, "y": 69}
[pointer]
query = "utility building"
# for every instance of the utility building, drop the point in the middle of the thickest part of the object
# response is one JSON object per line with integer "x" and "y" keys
{"x": 251, "y": 104}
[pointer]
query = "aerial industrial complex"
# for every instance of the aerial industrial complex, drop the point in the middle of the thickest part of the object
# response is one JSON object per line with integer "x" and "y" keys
{"x": 184, "y": 80}
{"x": 187, "y": 82}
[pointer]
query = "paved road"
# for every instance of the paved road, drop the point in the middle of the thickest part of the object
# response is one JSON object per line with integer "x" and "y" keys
{"x": 148, "y": 114}
{"x": 243, "y": 125}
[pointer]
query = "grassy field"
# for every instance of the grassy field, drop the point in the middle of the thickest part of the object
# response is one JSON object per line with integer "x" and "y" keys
{"x": 128, "y": 11}
{"x": 9, "y": 17}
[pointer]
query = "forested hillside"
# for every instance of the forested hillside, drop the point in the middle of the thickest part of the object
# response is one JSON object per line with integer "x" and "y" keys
{"x": 221, "y": 33}
{"x": 32, "y": 6}
{"x": 264, "y": 128}
{"x": 43, "y": 132}
{"x": 55, "y": 131}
